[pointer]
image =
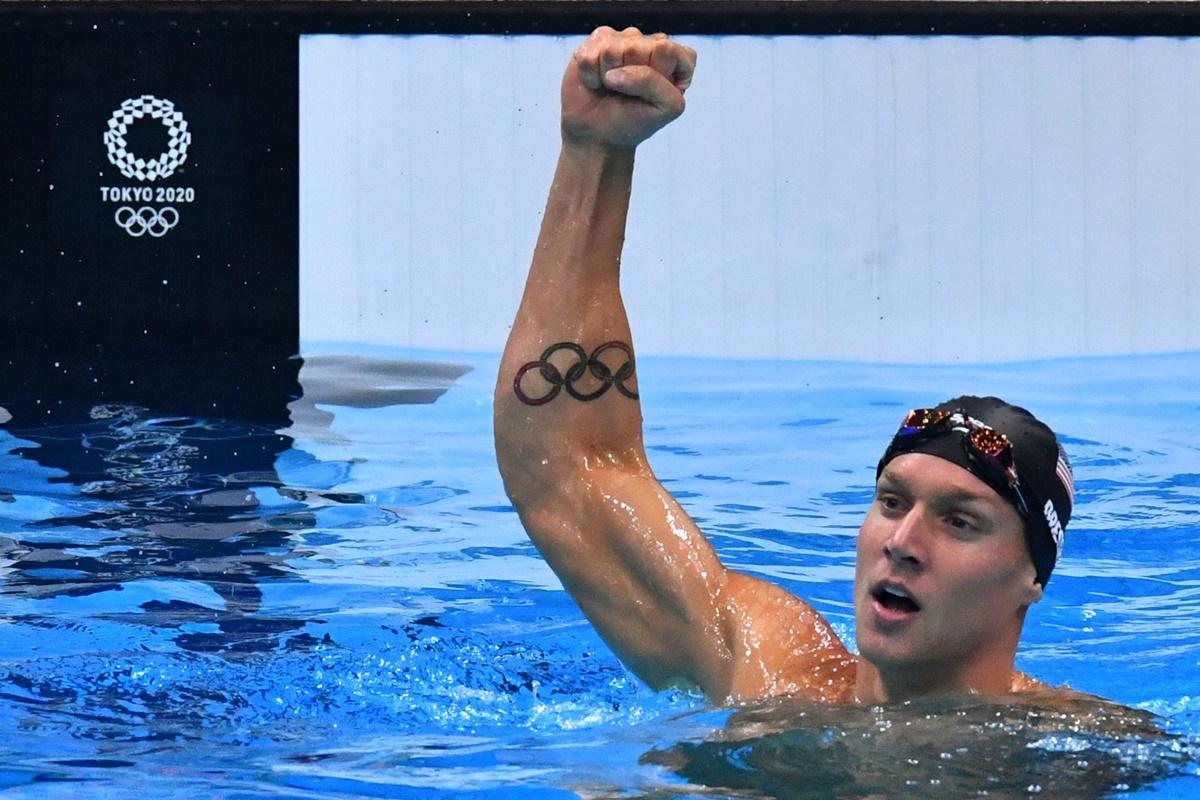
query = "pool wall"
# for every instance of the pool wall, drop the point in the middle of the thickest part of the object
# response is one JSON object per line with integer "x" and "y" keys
{"x": 880, "y": 198}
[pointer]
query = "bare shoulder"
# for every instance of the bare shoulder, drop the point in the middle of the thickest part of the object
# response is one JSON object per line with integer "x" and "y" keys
{"x": 1027, "y": 683}
{"x": 783, "y": 646}
{"x": 1029, "y": 690}
{"x": 1086, "y": 712}
{"x": 1032, "y": 688}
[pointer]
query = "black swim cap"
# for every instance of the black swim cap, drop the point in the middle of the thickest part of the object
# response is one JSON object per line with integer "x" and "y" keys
{"x": 1040, "y": 462}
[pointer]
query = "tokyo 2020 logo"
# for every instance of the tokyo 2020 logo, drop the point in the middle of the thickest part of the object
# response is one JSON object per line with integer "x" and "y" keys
{"x": 133, "y": 166}
{"x": 147, "y": 219}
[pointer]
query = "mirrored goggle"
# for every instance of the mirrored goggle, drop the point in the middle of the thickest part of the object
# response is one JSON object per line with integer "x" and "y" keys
{"x": 987, "y": 448}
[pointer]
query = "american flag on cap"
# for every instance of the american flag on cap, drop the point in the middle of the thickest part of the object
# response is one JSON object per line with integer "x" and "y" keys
{"x": 1063, "y": 470}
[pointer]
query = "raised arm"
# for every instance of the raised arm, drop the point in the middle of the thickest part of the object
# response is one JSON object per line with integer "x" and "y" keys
{"x": 568, "y": 422}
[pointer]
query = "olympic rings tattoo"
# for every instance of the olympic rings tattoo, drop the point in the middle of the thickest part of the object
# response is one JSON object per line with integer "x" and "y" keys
{"x": 584, "y": 364}
{"x": 155, "y": 222}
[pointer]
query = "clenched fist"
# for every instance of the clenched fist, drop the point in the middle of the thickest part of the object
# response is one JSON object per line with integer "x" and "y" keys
{"x": 622, "y": 86}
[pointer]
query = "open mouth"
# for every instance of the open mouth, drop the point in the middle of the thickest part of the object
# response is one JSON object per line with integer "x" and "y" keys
{"x": 895, "y": 599}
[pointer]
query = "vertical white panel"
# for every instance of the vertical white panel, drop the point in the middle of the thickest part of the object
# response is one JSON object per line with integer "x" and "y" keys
{"x": 747, "y": 197}
{"x": 384, "y": 243}
{"x": 885, "y": 307}
{"x": 1005, "y": 255}
{"x": 850, "y": 193}
{"x": 696, "y": 181}
{"x": 1190, "y": 170}
{"x": 437, "y": 225}
{"x": 488, "y": 111}
{"x": 904, "y": 291}
{"x": 798, "y": 152}
{"x": 1056, "y": 222}
{"x": 1160, "y": 311}
{"x": 1107, "y": 297}
{"x": 328, "y": 217}
{"x": 954, "y": 200}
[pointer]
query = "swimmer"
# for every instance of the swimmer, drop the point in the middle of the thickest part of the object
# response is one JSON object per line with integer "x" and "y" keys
{"x": 971, "y": 498}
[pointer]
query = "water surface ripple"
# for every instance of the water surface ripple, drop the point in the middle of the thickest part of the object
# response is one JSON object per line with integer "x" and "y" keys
{"x": 349, "y": 608}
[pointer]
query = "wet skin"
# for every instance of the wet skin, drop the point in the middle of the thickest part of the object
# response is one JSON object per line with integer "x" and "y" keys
{"x": 629, "y": 553}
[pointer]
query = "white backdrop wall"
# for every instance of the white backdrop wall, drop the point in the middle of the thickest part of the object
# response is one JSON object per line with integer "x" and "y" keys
{"x": 895, "y": 199}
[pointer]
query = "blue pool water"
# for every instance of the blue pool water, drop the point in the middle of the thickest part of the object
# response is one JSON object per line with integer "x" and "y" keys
{"x": 211, "y": 609}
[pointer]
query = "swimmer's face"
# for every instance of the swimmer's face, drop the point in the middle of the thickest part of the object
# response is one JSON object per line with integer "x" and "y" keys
{"x": 943, "y": 577}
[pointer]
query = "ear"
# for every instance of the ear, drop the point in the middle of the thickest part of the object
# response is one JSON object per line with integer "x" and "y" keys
{"x": 1032, "y": 592}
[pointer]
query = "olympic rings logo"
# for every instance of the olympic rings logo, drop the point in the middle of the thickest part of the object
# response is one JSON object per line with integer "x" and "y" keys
{"x": 178, "y": 138}
{"x": 155, "y": 222}
{"x": 585, "y": 363}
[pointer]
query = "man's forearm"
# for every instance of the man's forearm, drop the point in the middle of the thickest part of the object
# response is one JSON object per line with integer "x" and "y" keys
{"x": 583, "y": 228}
{"x": 567, "y": 416}
{"x": 572, "y": 298}
{"x": 567, "y": 388}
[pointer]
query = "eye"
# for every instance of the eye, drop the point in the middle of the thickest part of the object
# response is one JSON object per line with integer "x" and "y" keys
{"x": 890, "y": 502}
{"x": 960, "y": 523}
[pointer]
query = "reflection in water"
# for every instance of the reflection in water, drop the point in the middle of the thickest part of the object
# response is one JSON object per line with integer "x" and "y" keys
{"x": 360, "y": 382}
{"x": 130, "y": 495}
{"x": 141, "y": 497}
{"x": 952, "y": 748}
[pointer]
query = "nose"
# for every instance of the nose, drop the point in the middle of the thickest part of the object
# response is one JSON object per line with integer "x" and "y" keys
{"x": 905, "y": 545}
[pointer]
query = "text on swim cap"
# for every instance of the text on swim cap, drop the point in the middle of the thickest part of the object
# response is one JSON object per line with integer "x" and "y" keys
{"x": 1056, "y": 528}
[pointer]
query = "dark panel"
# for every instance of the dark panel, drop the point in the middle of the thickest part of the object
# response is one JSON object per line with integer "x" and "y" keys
{"x": 871, "y": 17}
{"x": 170, "y": 283}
